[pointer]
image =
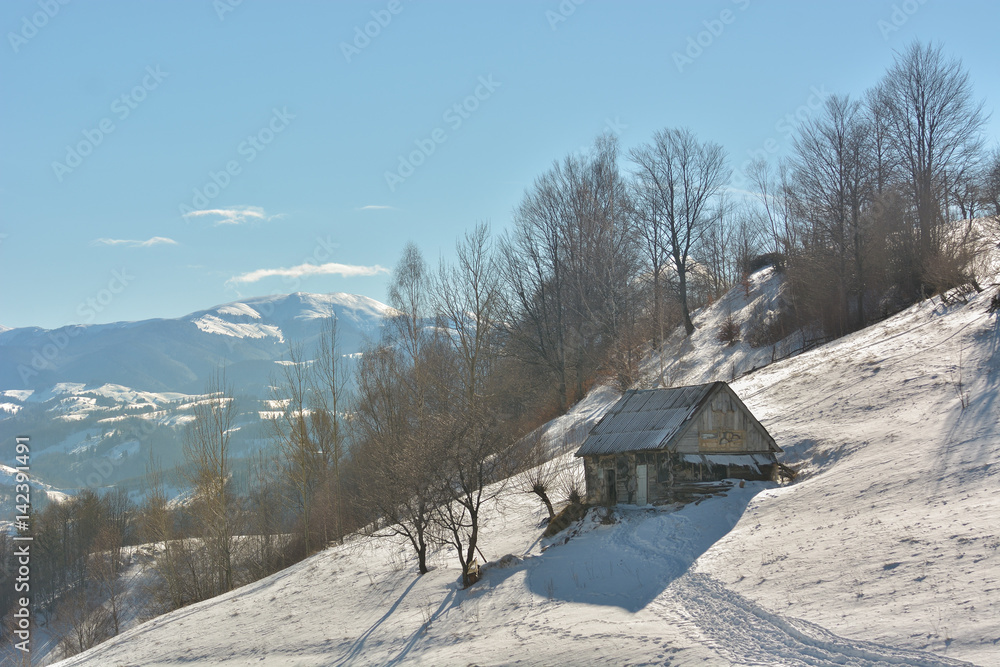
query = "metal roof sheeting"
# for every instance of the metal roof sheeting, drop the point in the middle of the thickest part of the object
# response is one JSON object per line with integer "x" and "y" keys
{"x": 644, "y": 420}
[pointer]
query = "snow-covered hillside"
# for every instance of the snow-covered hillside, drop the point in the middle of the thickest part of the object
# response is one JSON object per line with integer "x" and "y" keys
{"x": 886, "y": 549}
{"x": 702, "y": 358}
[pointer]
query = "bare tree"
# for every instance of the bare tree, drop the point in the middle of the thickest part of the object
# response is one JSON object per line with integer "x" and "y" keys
{"x": 302, "y": 458}
{"x": 475, "y": 443}
{"x": 684, "y": 176}
{"x": 207, "y": 449}
{"x": 746, "y": 239}
{"x": 719, "y": 249}
{"x": 534, "y": 270}
{"x": 396, "y": 440}
{"x": 81, "y": 622}
{"x": 468, "y": 305}
{"x": 264, "y": 505}
{"x": 568, "y": 266}
{"x": 772, "y": 190}
{"x": 936, "y": 128}
{"x": 540, "y": 474}
{"x": 157, "y": 527}
{"x": 650, "y": 227}
{"x": 885, "y": 159}
{"x": 107, "y": 568}
{"x": 478, "y": 458}
{"x": 329, "y": 399}
{"x": 409, "y": 295}
{"x": 107, "y": 560}
{"x": 397, "y": 469}
{"x": 963, "y": 187}
{"x": 835, "y": 184}
{"x": 990, "y": 186}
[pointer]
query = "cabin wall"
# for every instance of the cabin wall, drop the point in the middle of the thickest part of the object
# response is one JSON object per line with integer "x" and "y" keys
{"x": 722, "y": 427}
{"x": 626, "y": 491}
{"x": 666, "y": 471}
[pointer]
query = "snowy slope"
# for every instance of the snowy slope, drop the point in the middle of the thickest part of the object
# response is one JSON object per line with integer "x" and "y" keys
{"x": 702, "y": 358}
{"x": 886, "y": 550}
{"x": 893, "y": 532}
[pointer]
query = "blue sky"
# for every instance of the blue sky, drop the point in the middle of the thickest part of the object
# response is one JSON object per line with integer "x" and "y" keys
{"x": 158, "y": 158}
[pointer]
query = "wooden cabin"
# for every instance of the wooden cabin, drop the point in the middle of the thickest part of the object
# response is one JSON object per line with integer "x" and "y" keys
{"x": 657, "y": 445}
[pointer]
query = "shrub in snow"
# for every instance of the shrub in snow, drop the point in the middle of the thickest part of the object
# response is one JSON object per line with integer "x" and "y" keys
{"x": 571, "y": 513}
{"x": 775, "y": 259}
{"x": 729, "y": 331}
{"x": 995, "y": 303}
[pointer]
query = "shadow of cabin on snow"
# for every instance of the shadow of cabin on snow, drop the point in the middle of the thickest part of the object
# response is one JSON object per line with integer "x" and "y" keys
{"x": 664, "y": 445}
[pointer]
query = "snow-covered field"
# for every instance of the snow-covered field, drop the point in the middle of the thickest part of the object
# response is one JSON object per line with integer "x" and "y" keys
{"x": 885, "y": 551}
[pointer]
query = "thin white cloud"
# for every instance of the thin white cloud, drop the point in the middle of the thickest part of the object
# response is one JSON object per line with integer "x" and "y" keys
{"x": 131, "y": 243}
{"x": 237, "y": 215}
{"x": 377, "y": 207}
{"x": 306, "y": 270}
{"x": 741, "y": 191}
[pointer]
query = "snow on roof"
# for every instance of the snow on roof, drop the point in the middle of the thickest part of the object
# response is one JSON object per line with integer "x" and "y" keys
{"x": 645, "y": 419}
{"x": 751, "y": 461}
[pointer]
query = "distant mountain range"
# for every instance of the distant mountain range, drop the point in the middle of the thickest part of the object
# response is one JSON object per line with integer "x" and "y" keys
{"x": 96, "y": 398}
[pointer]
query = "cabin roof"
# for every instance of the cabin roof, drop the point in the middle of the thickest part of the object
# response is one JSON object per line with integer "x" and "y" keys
{"x": 646, "y": 419}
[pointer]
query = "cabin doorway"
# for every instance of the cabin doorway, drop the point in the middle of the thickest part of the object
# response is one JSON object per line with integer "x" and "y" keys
{"x": 640, "y": 484}
{"x": 611, "y": 485}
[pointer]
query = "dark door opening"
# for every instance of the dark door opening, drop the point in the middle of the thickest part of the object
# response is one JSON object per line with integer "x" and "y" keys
{"x": 611, "y": 485}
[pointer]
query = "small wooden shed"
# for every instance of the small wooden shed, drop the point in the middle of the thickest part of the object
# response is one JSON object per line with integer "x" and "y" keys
{"x": 655, "y": 443}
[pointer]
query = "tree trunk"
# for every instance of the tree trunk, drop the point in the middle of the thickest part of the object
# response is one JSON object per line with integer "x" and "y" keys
{"x": 682, "y": 286}
{"x": 540, "y": 492}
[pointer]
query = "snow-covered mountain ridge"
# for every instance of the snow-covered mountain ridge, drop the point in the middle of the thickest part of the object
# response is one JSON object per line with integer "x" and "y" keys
{"x": 886, "y": 549}
{"x": 88, "y": 394}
